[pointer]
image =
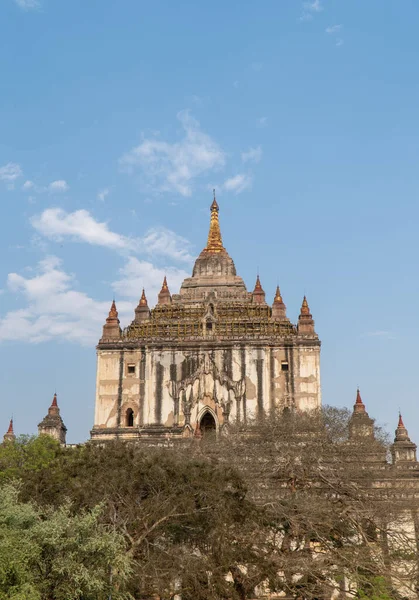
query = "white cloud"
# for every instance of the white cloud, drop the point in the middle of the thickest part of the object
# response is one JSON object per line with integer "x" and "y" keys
{"x": 138, "y": 274}
{"x": 58, "y": 186}
{"x": 333, "y": 29}
{"x": 339, "y": 42}
{"x": 80, "y": 226}
{"x": 165, "y": 242}
{"x": 238, "y": 183}
{"x": 10, "y": 172}
{"x": 310, "y": 8}
{"x": 174, "y": 167}
{"x": 262, "y": 121}
{"x": 28, "y": 4}
{"x": 252, "y": 155}
{"x": 55, "y": 310}
{"x": 314, "y": 6}
{"x": 102, "y": 194}
{"x": 28, "y": 185}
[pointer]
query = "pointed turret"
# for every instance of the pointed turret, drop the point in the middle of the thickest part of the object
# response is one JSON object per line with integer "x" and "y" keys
{"x": 111, "y": 329}
{"x": 215, "y": 242}
{"x": 258, "y": 292}
{"x": 278, "y": 307}
{"x": 52, "y": 424}
{"x": 9, "y": 436}
{"x": 142, "y": 312}
{"x": 164, "y": 294}
{"x": 403, "y": 450}
{"x": 305, "y": 320}
{"x": 359, "y": 406}
{"x": 360, "y": 424}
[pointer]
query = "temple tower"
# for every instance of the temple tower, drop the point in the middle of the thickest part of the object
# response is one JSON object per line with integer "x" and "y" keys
{"x": 403, "y": 451}
{"x": 52, "y": 424}
{"x": 208, "y": 355}
{"x": 9, "y": 436}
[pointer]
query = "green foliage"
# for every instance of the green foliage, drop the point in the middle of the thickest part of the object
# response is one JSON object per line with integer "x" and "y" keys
{"x": 27, "y": 454}
{"x": 47, "y": 553}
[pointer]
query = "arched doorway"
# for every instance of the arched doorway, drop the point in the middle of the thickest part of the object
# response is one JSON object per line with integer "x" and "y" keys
{"x": 207, "y": 424}
{"x": 129, "y": 418}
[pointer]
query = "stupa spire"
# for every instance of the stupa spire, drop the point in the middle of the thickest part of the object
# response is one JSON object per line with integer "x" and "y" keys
{"x": 215, "y": 242}
{"x": 9, "y": 436}
{"x": 278, "y": 306}
{"x": 305, "y": 310}
{"x": 403, "y": 449}
{"x": 142, "y": 312}
{"x": 359, "y": 406}
{"x": 143, "y": 299}
{"x": 111, "y": 329}
{"x": 258, "y": 292}
{"x": 164, "y": 294}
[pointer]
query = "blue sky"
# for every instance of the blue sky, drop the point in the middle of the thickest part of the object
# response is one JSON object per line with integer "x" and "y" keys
{"x": 118, "y": 118}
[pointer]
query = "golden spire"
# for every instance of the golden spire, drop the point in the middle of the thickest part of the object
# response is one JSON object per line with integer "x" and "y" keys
{"x": 304, "y": 307}
{"x": 113, "y": 314}
{"x": 215, "y": 242}
{"x": 143, "y": 299}
{"x": 164, "y": 287}
{"x": 278, "y": 297}
{"x": 258, "y": 285}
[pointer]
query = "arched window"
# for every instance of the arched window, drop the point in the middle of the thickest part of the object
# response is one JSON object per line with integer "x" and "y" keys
{"x": 129, "y": 418}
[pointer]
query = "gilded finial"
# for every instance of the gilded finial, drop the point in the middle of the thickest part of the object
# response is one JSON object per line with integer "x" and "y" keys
{"x": 164, "y": 286}
{"x": 54, "y": 401}
{"x": 215, "y": 242}
{"x": 304, "y": 307}
{"x": 143, "y": 299}
{"x": 258, "y": 286}
{"x": 113, "y": 313}
{"x": 278, "y": 297}
{"x": 358, "y": 397}
{"x": 10, "y": 430}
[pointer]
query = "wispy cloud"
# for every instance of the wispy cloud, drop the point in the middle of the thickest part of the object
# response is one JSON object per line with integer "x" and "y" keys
{"x": 80, "y": 226}
{"x": 54, "y": 309}
{"x": 333, "y": 29}
{"x": 10, "y": 172}
{"x": 262, "y": 121}
{"x": 102, "y": 194}
{"x": 252, "y": 155}
{"x": 58, "y": 186}
{"x": 28, "y": 4}
{"x": 311, "y": 8}
{"x": 174, "y": 167}
{"x": 237, "y": 184}
{"x": 164, "y": 242}
{"x": 138, "y": 274}
{"x": 28, "y": 185}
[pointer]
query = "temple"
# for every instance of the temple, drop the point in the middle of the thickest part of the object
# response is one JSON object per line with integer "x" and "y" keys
{"x": 211, "y": 354}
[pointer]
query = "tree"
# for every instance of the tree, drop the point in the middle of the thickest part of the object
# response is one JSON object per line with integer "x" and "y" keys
{"x": 50, "y": 553}
{"x": 334, "y": 511}
{"x": 27, "y": 454}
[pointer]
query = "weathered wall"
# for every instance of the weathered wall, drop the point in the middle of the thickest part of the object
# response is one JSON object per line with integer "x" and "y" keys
{"x": 170, "y": 388}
